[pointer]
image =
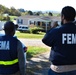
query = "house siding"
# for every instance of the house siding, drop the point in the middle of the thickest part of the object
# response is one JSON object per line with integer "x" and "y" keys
{"x": 19, "y": 21}
{"x": 25, "y": 21}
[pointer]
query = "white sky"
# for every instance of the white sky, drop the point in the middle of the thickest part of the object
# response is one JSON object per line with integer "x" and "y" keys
{"x": 41, "y": 5}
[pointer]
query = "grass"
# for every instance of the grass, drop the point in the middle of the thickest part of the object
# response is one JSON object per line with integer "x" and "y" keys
{"x": 12, "y": 18}
{"x": 33, "y": 50}
{"x": 28, "y": 35}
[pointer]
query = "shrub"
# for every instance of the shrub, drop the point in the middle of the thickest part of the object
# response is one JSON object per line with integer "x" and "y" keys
{"x": 35, "y": 30}
{"x": 27, "y": 31}
{"x": 3, "y": 18}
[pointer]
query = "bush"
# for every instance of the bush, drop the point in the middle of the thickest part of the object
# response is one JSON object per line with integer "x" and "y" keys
{"x": 35, "y": 30}
{"x": 27, "y": 31}
{"x": 3, "y": 18}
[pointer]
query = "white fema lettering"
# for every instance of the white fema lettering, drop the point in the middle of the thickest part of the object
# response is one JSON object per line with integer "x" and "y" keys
{"x": 68, "y": 38}
{"x": 4, "y": 45}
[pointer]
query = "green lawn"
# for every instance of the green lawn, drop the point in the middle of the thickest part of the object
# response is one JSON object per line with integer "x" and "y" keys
{"x": 12, "y": 18}
{"x": 33, "y": 50}
{"x": 28, "y": 35}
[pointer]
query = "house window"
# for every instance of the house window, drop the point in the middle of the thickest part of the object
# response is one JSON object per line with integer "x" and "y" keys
{"x": 20, "y": 21}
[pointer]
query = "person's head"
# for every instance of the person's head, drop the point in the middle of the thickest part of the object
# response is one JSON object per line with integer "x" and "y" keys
{"x": 9, "y": 28}
{"x": 67, "y": 14}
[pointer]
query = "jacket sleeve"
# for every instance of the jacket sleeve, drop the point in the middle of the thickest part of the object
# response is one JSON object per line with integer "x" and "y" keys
{"x": 49, "y": 38}
{"x": 21, "y": 58}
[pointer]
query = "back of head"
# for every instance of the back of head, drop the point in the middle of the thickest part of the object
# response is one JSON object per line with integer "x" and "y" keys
{"x": 9, "y": 28}
{"x": 69, "y": 13}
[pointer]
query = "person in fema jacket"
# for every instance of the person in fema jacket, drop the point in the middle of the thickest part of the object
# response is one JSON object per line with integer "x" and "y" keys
{"x": 62, "y": 40}
{"x": 12, "y": 60}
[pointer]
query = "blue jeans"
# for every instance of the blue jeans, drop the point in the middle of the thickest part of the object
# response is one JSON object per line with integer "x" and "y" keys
{"x": 50, "y": 72}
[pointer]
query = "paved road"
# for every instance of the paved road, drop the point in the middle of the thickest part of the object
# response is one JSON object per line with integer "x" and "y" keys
{"x": 33, "y": 42}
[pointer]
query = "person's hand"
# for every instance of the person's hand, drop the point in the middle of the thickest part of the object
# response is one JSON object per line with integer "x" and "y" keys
{"x": 54, "y": 24}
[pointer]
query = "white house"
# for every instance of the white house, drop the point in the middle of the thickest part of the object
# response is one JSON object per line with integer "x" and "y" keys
{"x": 41, "y": 21}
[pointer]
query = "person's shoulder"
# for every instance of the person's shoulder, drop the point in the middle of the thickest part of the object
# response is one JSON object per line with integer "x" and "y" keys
{"x": 16, "y": 39}
{"x": 19, "y": 42}
{"x": 55, "y": 29}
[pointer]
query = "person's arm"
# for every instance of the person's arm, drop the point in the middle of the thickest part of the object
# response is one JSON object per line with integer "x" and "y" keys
{"x": 21, "y": 58}
{"x": 48, "y": 39}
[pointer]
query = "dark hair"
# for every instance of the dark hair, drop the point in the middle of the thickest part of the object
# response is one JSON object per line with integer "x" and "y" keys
{"x": 69, "y": 13}
{"x": 9, "y": 27}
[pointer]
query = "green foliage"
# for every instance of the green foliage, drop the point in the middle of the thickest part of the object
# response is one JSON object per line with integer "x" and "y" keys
{"x": 12, "y": 17}
{"x": 14, "y": 12}
{"x": 56, "y": 14}
{"x": 18, "y": 12}
{"x": 50, "y": 14}
{"x": 4, "y": 18}
{"x": 30, "y": 12}
{"x": 38, "y": 13}
{"x": 11, "y": 11}
{"x": 1, "y": 17}
{"x": 35, "y": 30}
{"x": 31, "y": 36}
{"x": 34, "y": 50}
{"x": 7, "y": 18}
{"x": 21, "y": 10}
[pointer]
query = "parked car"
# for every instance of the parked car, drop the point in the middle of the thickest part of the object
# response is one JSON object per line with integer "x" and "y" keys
{"x": 22, "y": 28}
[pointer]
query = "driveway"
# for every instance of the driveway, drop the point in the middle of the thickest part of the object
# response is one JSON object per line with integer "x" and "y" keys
{"x": 33, "y": 42}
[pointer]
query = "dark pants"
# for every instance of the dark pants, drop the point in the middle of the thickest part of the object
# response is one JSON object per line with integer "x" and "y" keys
{"x": 50, "y": 72}
{"x": 18, "y": 73}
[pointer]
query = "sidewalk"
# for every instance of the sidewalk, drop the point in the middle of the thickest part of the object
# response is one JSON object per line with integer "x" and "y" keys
{"x": 38, "y": 65}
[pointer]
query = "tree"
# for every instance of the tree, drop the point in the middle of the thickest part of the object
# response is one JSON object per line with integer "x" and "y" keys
{"x": 2, "y": 8}
{"x": 7, "y": 10}
{"x": 30, "y": 12}
{"x": 21, "y": 10}
{"x": 50, "y": 14}
{"x": 14, "y": 12}
{"x": 7, "y": 18}
{"x": 37, "y": 13}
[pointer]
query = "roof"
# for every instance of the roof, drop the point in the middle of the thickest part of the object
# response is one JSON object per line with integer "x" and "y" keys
{"x": 29, "y": 16}
{"x": 40, "y": 18}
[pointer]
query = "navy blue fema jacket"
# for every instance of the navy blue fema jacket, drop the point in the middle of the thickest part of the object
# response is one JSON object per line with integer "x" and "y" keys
{"x": 63, "y": 43}
{"x": 8, "y": 54}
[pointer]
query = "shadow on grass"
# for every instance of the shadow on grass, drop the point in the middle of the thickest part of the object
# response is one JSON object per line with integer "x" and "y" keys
{"x": 29, "y": 56}
{"x": 39, "y": 65}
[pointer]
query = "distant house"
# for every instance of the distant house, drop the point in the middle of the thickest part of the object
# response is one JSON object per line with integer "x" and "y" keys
{"x": 40, "y": 21}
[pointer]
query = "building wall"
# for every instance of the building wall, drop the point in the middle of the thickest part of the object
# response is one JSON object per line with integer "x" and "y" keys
{"x": 19, "y": 21}
{"x": 22, "y": 21}
{"x": 25, "y": 21}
